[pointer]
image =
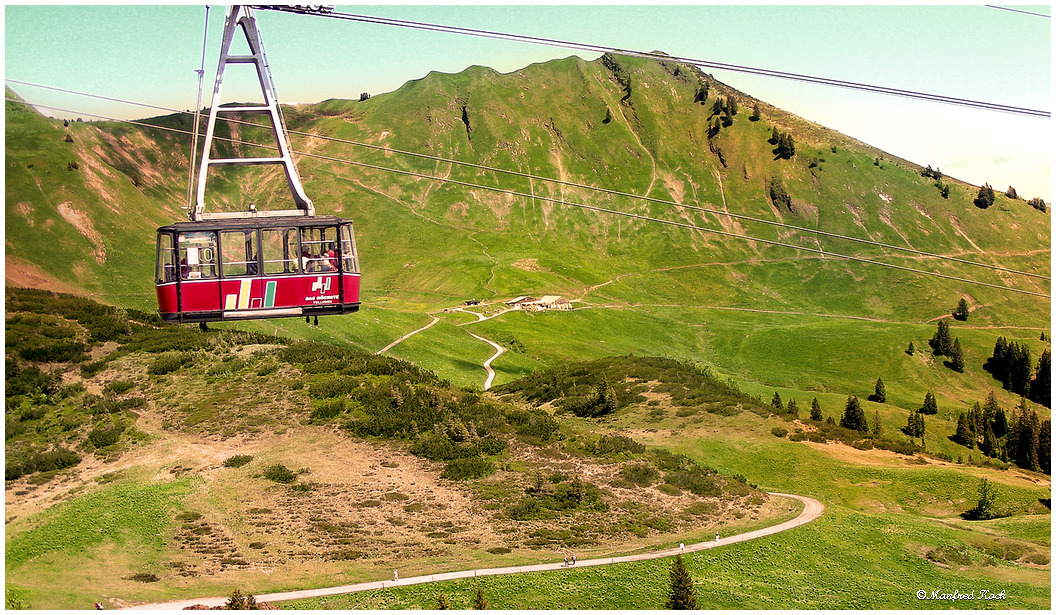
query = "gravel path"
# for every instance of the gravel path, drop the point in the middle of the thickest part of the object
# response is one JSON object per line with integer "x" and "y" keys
{"x": 812, "y": 509}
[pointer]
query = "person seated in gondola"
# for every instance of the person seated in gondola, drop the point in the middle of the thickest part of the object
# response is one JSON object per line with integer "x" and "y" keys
{"x": 331, "y": 259}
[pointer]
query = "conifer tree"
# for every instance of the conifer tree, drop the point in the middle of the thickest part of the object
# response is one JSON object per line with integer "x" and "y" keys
{"x": 915, "y": 426}
{"x": 756, "y": 113}
{"x": 854, "y": 416}
{"x": 956, "y": 356}
{"x": 776, "y": 401}
{"x": 963, "y": 434}
{"x": 793, "y": 409}
{"x": 985, "y": 197}
{"x": 879, "y": 392}
{"x": 702, "y": 93}
{"x": 1045, "y": 447}
{"x": 910, "y": 350}
{"x": 941, "y": 342}
{"x": 930, "y": 406}
{"x": 1041, "y": 385}
{"x": 815, "y": 410}
{"x": 984, "y": 509}
{"x": 682, "y": 595}
{"x": 989, "y": 446}
{"x": 878, "y": 429}
{"x": 961, "y": 311}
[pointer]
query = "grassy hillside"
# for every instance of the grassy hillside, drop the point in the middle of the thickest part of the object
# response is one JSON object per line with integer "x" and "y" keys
{"x": 83, "y": 201}
{"x": 160, "y": 462}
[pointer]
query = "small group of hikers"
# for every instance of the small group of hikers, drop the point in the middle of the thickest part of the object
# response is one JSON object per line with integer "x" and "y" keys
{"x": 324, "y": 261}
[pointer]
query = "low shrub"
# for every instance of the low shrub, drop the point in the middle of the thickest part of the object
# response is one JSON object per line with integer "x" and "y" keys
{"x": 237, "y": 461}
{"x": 467, "y": 468}
{"x": 611, "y": 445}
{"x": 780, "y": 432}
{"x": 169, "y": 362}
{"x": 279, "y": 473}
{"x": 106, "y": 435}
{"x": 56, "y": 459}
{"x": 117, "y": 387}
{"x": 640, "y": 474}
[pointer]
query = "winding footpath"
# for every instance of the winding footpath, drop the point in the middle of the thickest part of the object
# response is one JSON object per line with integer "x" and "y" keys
{"x": 812, "y": 509}
{"x": 487, "y": 364}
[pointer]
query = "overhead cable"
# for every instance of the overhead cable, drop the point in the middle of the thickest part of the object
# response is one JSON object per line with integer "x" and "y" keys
{"x": 715, "y": 212}
{"x": 617, "y": 212}
{"x": 551, "y": 42}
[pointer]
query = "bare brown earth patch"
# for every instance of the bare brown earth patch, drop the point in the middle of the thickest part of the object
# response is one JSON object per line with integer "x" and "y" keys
{"x": 23, "y": 274}
{"x": 84, "y": 226}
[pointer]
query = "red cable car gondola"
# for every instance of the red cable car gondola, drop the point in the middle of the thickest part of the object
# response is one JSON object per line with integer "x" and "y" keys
{"x": 255, "y": 264}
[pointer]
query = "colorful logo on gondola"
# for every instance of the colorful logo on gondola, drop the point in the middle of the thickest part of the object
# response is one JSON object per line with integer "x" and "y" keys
{"x": 321, "y": 287}
{"x": 243, "y": 299}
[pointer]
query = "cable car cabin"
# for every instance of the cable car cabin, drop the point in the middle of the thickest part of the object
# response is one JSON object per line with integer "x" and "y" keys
{"x": 241, "y": 268}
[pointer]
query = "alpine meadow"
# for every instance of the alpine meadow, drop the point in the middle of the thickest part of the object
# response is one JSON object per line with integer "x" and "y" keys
{"x": 751, "y": 305}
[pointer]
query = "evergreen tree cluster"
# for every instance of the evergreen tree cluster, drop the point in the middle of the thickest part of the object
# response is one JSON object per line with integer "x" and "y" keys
{"x": 985, "y": 198}
{"x": 1011, "y": 365}
{"x": 1024, "y": 439}
{"x": 701, "y": 96}
{"x": 961, "y": 311}
{"x": 915, "y": 427}
{"x": 1038, "y": 203}
{"x": 943, "y": 344}
{"x": 935, "y": 174}
{"x": 786, "y": 145}
{"x": 1029, "y": 441}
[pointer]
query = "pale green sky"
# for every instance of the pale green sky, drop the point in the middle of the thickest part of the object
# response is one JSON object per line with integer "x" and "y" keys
{"x": 149, "y": 54}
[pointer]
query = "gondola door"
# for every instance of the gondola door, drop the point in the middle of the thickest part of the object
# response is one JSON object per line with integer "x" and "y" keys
{"x": 199, "y": 273}
{"x": 242, "y": 288}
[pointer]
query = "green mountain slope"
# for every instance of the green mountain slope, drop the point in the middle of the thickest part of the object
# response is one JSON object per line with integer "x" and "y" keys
{"x": 769, "y": 315}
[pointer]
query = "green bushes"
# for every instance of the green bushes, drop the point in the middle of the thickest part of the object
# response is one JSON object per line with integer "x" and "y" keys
{"x": 467, "y": 468}
{"x": 237, "y": 461}
{"x": 58, "y": 352}
{"x": 31, "y": 461}
{"x": 533, "y": 426}
{"x": 279, "y": 473}
{"x": 596, "y": 388}
{"x": 640, "y": 474}
{"x": 616, "y": 445}
{"x": 544, "y": 500}
{"x": 328, "y": 409}
{"x": 169, "y": 362}
{"x": 106, "y": 435}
